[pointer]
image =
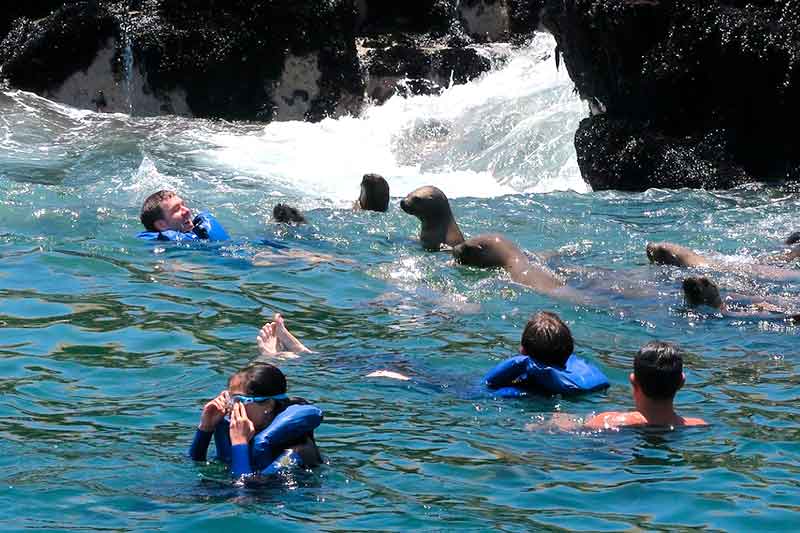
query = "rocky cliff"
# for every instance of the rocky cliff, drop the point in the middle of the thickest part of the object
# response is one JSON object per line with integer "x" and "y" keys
{"x": 695, "y": 93}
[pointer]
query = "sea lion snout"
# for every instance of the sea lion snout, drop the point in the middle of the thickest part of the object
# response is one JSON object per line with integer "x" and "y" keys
{"x": 661, "y": 254}
{"x": 701, "y": 291}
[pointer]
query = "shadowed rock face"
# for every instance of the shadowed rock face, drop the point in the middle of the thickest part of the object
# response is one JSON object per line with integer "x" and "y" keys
{"x": 625, "y": 155}
{"x": 246, "y": 59}
{"x": 682, "y": 70}
{"x": 237, "y": 59}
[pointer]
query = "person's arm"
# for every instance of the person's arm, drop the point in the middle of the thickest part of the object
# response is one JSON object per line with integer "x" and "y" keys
{"x": 199, "y": 448}
{"x": 212, "y": 414}
{"x": 241, "y": 431}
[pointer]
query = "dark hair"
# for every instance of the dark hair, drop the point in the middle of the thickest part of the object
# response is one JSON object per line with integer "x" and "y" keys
{"x": 286, "y": 213}
{"x": 794, "y": 238}
{"x": 658, "y": 368}
{"x": 261, "y": 379}
{"x": 547, "y": 339}
{"x": 151, "y": 209}
{"x": 377, "y": 193}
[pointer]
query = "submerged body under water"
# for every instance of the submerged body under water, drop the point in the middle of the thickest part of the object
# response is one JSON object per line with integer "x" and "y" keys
{"x": 110, "y": 345}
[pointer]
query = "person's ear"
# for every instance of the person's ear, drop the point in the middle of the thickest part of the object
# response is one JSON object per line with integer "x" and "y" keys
{"x": 632, "y": 379}
{"x": 160, "y": 224}
{"x": 522, "y": 350}
{"x": 683, "y": 381}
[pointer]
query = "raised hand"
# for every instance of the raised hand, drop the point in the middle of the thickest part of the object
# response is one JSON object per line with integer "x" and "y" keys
{"x": 213, "y": 412}
{"x": 242, "y": 428}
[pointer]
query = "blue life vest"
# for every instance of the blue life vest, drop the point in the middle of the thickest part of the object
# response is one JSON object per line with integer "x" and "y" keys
{"x": 266, "y": 446}
{"x": 521, "y": 375}
{"x": 206, "y": 227}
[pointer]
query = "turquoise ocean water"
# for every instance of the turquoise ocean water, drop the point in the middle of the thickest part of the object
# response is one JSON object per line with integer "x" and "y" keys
{"x": 109, "y": 346}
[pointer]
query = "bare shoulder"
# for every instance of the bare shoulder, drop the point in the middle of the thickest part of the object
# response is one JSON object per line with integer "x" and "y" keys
{"x": 694, "y": 422}
{"x": 615, "y": 419}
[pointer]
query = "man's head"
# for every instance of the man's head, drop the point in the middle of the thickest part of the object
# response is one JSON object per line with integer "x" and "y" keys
{"x": 165, "y": 210}
{"x": 374, "y": 193}
{"x": 657, "y": 371}
{"x": 547, "y": 339}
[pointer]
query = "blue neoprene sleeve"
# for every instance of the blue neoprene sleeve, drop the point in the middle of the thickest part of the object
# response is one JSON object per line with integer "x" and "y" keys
{"x": 199, "y": 448}
{"x": 240, "y": 460}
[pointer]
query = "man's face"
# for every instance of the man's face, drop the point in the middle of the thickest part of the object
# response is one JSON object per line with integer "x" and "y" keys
{"x": 177, "y": 216}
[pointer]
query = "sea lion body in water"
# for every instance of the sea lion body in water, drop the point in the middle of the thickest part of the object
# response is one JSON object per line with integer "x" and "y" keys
{"x": 495, "y": 251}
{"x": 667, "y": 253}
{"x": 374, "y": 194}
{"x": 438, "y": 226}
{"x": 702, "y": 291}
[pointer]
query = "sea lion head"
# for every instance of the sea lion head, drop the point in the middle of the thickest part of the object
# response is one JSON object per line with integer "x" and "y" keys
{"x": 374, "y": 193}
{"x": 488, "y": 251}
{"x": 427, "y": 204}
{"x": 662, "y": 253}
{"x": 287, "y": 214}
{"x": 794, "y": 238}
{"x": 701, "y": 291}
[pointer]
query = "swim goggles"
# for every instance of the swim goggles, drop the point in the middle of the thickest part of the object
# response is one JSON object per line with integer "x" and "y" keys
{"x": 239, "y": 398}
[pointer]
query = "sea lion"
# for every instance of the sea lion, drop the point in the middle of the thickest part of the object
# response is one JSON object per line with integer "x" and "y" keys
{"x": 374, "y": 194}
{"x": 794, "y": 238}
{"x": 495, "y": 251}
{"x": 287, "y": 214}
{"x": 438, "y": 226}
{"x": 667, "y": 253}
{"x": 700, "y": 290}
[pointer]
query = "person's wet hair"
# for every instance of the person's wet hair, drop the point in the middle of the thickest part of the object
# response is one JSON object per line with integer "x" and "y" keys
{"x": 658, "y": 369}
{"x": 547, "y": 339}
{"x": 260, "y": 379}
{"x": 374, "y": 193}
{"x": 151, "y": 209}
{"x": 287, "y": 214}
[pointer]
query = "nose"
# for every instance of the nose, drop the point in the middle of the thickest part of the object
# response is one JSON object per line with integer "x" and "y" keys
{"x": 404, "y": 205}
{"x": 651, "y": 250}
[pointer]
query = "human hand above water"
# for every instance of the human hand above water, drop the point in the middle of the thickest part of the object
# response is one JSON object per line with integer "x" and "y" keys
{"x": 241, "y": 428}
{"x": 213, "y": 412}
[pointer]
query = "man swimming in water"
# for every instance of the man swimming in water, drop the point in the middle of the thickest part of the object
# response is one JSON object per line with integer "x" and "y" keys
{"x": 166, "y": 218}
{"x": 546, "y": 363}
{"x": 657, "y": 376}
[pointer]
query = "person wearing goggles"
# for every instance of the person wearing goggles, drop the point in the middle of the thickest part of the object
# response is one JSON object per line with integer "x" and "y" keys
{"x": 256, "y": 426}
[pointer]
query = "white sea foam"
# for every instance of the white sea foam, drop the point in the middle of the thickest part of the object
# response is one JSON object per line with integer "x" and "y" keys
{"x": 510, "y": 131}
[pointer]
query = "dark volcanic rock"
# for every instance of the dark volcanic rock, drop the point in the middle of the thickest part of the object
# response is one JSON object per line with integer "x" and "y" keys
{"x": 414, "y": 16}
{"x": 685, "y": 68}
{"x": 621, "y": 154}
{"x": 38, "y": 55}
{"x": 246, "y": 59}
{"x": 409, "y": 64}
{"x": 13, "y": 10}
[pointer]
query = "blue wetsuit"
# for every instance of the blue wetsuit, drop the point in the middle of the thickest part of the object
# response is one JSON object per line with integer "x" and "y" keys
{"x": 206, "y": 227}
{"x": 522, "y": 374}
{"x": 265, "y": 454}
